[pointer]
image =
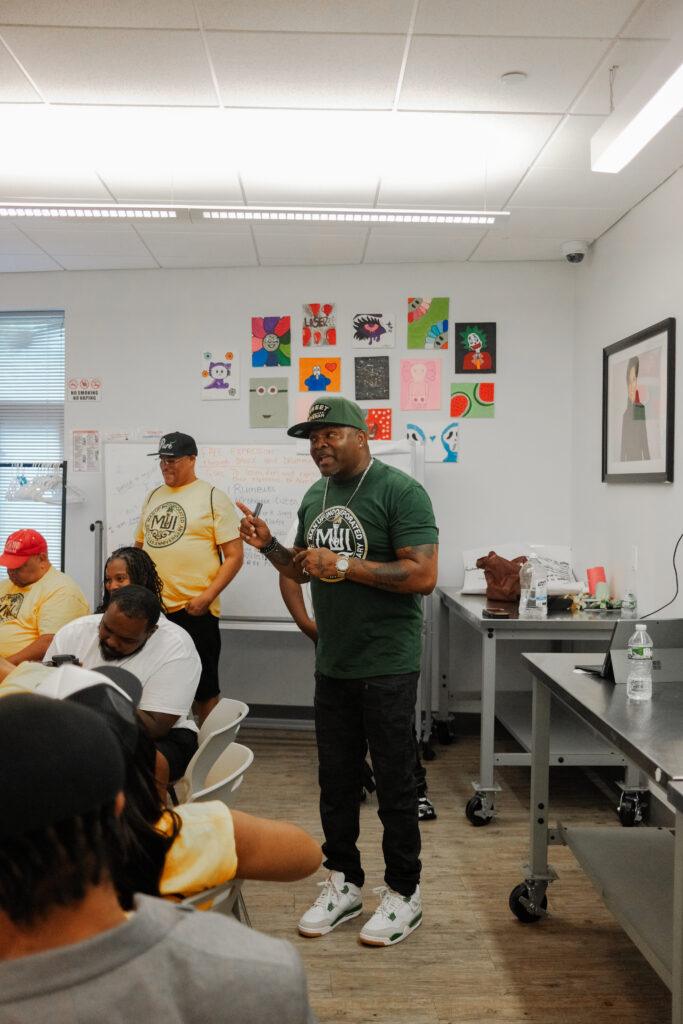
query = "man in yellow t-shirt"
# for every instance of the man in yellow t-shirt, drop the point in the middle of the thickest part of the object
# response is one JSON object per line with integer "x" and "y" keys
{"x": 185, "y": 527}
{"x": 35, "y": 601}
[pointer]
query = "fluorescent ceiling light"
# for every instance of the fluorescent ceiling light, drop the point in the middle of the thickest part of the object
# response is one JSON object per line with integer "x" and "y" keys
{"x": 656, "y": 98}
{"x": 356, "y": 215}
{"x": 80, "y": 211}
{"x": 339, "y": 214}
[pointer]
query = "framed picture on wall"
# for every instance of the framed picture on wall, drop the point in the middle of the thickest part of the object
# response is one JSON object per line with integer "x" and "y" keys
{"x": 638, "y": 396}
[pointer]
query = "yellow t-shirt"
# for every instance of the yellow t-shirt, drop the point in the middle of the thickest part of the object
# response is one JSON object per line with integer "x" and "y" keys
{"x": 43, "y": 607}
{"x": 203, "y": 855}
{"x": 180, "y": 529}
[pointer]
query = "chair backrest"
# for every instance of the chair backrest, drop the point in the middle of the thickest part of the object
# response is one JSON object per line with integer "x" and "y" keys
{"x": 220, "y": 899}
{"x": 227, "y": 714}
{"x": 225, "y": 776}
{"x": 216, "y": 734}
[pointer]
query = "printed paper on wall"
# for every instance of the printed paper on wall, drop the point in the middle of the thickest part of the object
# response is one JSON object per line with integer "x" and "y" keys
{"x": 428, "y": 323}
{"x": 474, "y": 400}
{"x": 268, "y": 405}
{"x": 371, "y": 378}
{"x": 319, "y": 374}
{"x": 379, "y": 424}
{"x": 271, "y": 339}
{"x": 420, "y": 384}
{"x": 475, "y": 348}
{"x": 220, "y": 376}
{"x": 319, "y": 325}
{"x": 373, "y": 330}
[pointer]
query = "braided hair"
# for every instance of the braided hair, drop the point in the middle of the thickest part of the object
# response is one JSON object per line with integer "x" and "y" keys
{"x": 141, "y": 570}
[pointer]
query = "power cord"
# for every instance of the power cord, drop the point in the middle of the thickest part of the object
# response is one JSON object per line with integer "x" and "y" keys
{"x": 675, "y": 577}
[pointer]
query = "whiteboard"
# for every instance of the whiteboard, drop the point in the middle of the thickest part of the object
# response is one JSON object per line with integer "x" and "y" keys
{"x": 277, "y": 475}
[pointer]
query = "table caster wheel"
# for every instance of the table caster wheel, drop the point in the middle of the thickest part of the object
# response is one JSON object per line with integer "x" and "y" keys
{"x": 443, "y": 731}
{"x": 477, "y": 811}
{"x": 629, "y": 811}
{"x": 519, "y": 894}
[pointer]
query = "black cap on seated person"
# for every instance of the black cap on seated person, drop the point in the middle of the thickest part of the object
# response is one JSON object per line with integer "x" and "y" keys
{"x": 175, "y": 445}
{"x": 59, "y": 761}
{"x": 111, "y": 691}
{"x": 332, "y": 411}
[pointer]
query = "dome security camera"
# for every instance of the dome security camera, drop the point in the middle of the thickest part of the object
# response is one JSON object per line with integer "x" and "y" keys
{"x": 574, "y": 252}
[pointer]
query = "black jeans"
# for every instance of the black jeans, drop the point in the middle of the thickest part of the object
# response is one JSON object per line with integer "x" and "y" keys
{"x": 350, "y": 715}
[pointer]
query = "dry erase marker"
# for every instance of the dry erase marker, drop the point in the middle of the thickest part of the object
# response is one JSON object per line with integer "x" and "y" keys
{"x": 257, "y": 510}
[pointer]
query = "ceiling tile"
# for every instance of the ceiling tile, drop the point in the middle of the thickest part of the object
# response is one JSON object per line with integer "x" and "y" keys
{"x": 574, "y": 18}
{"x": 447, "y": 73}
{"x": 495, "y": 249}
{"x": 231, "y": 247}
{"x": 297, "y": 70}
{"x": 16, "y": 87}
{"x": 13, "y": 242}
{"x": 305, "y": 246}
{"x": 455, "y": 160}
{"x": 558, "y": 223}
{"x": 13, "y": 264}
{"x": 60, "y": 239}
{"x": 162, "y": 185}
{"x": 46, "y": 183}
{"x": 100, "y": 14}
{"x": 435, "y": 246}
{"x": 631, "y": 59}
{"x": 307, "y": 15}
{"x": 114, "y": 65}
{"x": 142, "y": 261}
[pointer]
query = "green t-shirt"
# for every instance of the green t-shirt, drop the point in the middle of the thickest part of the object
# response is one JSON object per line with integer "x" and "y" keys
{"x": 364, "y": 631}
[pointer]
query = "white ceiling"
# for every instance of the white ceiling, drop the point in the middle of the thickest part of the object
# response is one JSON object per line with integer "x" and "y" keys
{"x": 339, "y": 102}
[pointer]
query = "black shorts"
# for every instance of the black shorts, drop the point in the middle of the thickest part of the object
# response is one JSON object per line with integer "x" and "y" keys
{"x": 207, "y": 639}
{"x": 177, "y": 746}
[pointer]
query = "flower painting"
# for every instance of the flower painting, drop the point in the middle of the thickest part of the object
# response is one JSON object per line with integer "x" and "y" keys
{"x": 271, "y": 339}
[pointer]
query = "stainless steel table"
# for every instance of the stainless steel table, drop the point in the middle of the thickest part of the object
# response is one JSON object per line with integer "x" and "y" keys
{"x": 638, "y": 872}
{"x": 571, "y": 744}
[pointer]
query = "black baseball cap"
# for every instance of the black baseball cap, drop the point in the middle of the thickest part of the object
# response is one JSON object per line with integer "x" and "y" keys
{"x": 175, "y": 445}
{"x": 340, "y": 412}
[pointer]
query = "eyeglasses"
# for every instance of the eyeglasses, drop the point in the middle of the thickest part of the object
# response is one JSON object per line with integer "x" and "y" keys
{"x": 170, "y": 460}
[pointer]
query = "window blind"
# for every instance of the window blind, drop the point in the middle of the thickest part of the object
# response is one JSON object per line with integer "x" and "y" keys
{"x": 31, "y": 417}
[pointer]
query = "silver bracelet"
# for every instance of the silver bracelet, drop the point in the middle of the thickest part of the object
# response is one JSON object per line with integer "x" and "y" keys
{"x": 270, "y": 547}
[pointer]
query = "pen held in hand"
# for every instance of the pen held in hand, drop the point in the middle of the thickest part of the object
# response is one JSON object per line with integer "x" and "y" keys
{"x": 257, "y": 510}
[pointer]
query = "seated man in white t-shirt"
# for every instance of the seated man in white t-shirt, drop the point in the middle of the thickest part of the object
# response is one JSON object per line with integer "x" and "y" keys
{"x": 132, "y": 632}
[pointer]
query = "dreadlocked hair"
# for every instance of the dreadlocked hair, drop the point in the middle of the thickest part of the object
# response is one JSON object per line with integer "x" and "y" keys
{"x": 55, "y": 866}
{"x": 139, "y": 866}
{"x": 141, "y": 570}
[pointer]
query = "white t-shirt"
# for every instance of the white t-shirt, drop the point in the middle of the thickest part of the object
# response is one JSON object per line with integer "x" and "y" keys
{"x": 168, "y": 665}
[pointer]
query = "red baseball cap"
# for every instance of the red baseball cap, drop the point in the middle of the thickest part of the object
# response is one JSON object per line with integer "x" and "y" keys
{"x": 21, "y": 545}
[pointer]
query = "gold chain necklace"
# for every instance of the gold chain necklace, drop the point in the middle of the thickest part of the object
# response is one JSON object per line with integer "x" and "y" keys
{"x": 327, "y": 484}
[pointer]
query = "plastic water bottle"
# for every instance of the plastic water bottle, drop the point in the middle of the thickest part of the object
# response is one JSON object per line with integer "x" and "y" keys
{"x": 533, "y": 598}
{"x": 639, "y": 682}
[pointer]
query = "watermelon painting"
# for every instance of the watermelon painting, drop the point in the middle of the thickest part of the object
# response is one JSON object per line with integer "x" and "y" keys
{"x": 474, "y": 400}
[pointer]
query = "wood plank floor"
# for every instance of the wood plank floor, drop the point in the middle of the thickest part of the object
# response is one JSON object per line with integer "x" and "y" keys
{"x": 471, "y": 961}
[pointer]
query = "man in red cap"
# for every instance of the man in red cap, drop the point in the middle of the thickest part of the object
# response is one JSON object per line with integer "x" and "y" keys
{"x": 35, "y": 601}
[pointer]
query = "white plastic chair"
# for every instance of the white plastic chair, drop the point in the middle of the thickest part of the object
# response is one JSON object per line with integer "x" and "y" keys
{"x": 224, "y": 777}
{"x": 221, "y": 899}
{"x": 216, "y": 734}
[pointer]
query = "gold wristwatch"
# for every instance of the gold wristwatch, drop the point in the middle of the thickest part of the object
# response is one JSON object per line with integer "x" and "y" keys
{"x": 342, "y": 565}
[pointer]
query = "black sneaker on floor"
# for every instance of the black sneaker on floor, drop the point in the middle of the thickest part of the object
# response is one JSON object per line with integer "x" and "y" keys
{"x": 425, "y": 809}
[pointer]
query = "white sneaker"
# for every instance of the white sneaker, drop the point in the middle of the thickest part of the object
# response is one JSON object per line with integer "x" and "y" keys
{"x": 395, "y": 918}
{"x": 339, "y": 901}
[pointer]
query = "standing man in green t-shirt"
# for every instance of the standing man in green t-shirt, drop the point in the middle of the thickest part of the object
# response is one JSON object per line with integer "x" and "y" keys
{"x": 367, "y": 544}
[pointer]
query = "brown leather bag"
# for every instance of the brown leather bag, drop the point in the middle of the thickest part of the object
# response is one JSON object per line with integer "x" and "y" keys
{"x": 502, "y": 576}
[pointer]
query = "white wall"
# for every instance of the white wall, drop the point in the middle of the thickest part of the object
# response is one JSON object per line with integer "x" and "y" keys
{"x": 144, "y": 332}
{"x": 631, "y": 280}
